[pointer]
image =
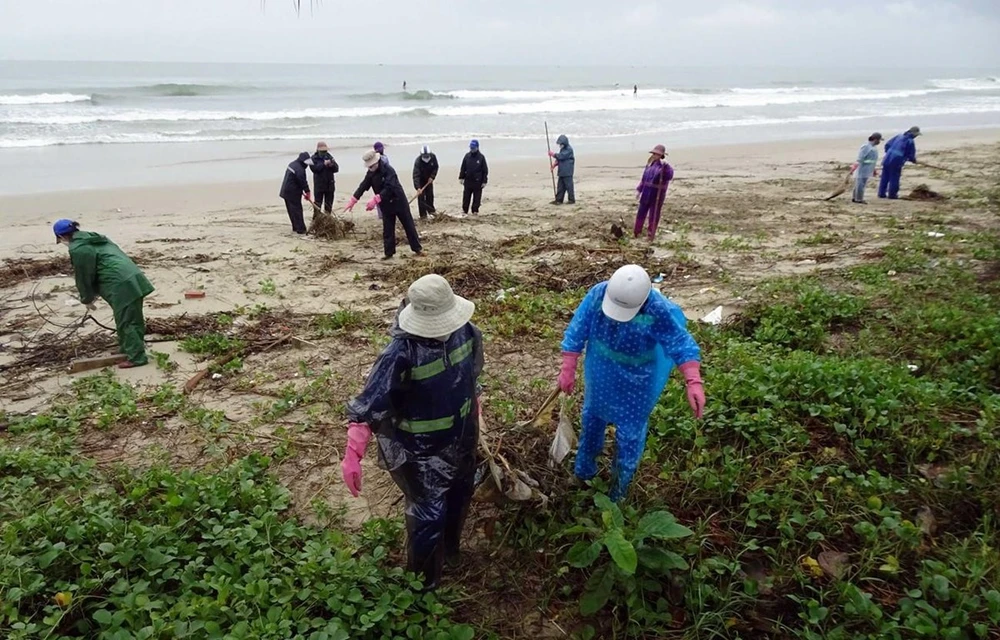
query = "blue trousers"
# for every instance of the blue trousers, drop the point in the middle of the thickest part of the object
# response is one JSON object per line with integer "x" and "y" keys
{"x": 630, "y": 442}
{"x": 889, "y": 183}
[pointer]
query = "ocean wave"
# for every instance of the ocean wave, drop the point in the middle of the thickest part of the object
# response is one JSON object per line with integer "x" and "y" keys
{"x": 295, "y": 132}
{"x": 587, "y": 103}
{"x": 967, "y": 84}
{"x": 43, "y": 98}
{"x": 421, "y": 95}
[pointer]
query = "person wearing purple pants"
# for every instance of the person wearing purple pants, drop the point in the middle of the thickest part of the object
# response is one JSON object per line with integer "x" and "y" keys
{"x": 652, "y": 191}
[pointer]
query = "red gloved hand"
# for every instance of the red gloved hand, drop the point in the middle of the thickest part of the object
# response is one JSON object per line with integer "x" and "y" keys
{"x": 307, "y": 196}
{"x": 358, "y": 435}
{"x": 695, "y": 388}
{"x": 374, "y": 202}
{"x": 350, "y": 204}
{"x": 854, "y": 167}
{"x": 555, "y": 165}
{"x": 552, "y": 155}
{"x": 567, "y": 374}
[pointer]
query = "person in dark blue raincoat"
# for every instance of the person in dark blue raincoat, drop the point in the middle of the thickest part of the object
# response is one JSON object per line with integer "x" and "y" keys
{"x": 564, "y": 163}
{"x": 634, "y": 337}
{"x": 295, "y": 188}
{"x": 421, "y": 401}
{"x": 898, "y": 151}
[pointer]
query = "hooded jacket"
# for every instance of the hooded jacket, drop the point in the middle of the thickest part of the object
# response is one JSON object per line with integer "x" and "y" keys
{"x": 474, "y": 169}
{"x": 565, "y": 158}
{"x": 900, "y": 150}
{"x": 384, "y": 182}
{"x": 295, "y": 182}
{"x": 323, "y": 179}
{"x": 420, "y": 399}
{"x": 424, "y": 171}
{"x": 102, "y": 269}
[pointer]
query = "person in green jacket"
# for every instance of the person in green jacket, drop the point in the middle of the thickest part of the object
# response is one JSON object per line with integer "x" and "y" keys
{"x": 102, "y": 269}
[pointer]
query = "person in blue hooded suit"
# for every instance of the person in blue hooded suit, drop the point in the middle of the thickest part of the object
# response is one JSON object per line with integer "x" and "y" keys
{"x": 633, "y": 337}
{"x": 898, "y": 151}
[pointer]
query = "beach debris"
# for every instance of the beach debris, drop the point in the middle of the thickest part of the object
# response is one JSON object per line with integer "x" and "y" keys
{"x": 926, "y": 520}
{"x": 713, "y": 317}
{"x": 890, "y": 273}
{"x": 194, "y": 294}
{"x": 659, "y": 278}
{"x": 923, "y": 192}
{"x": 617, "y": 231}
{"x": 912, "y": 367}
{"x": 216, "y": 376}
{"x": 565, "y": 438}
{"x": 88, "y": 364}
{"x": 935, "y": 234}
{"x": 329, "y": 226}
{"x": 802, "y": 263}
{"x": 833, "y": 563}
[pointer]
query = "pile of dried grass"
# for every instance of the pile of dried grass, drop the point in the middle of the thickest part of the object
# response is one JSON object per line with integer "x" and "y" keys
{"x": 925, "y": 193}
{"x": 330, "y": 226}
{"x": 469, "y": 277}
{"x": 14, "y": 271}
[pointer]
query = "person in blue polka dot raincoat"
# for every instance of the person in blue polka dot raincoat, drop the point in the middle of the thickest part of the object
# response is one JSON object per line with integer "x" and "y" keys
{"x": 633, "y": 337}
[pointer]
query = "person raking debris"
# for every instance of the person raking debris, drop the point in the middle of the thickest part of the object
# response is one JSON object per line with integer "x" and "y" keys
{"x": 425, "y": 171}
{"x": 898, "y": 151}
{"x": 389, "y": 195}
{"x": 422, "y": 402}
{"x": 102, "y": 269}
{"x": 633, "y": 337}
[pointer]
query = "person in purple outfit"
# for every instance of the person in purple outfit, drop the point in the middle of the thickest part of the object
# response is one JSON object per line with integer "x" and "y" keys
{"x": 652, "y": 191}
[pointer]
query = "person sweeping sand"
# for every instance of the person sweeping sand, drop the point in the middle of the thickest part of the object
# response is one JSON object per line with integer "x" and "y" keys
{"x": 390, "y": 197}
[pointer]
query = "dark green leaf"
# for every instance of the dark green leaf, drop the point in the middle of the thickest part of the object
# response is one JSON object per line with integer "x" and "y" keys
{"x": 663, "y": 526}
{"x": 621, "y": 550}
{"x": 102, "y": 617}
{"x": 661, "y": 559}
{"x": 583, "y": 554}
{"x": 598, "y": 591}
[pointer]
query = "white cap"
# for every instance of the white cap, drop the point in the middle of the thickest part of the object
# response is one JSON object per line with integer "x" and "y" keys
{"x": 434, "y": 310}
{"x": 371, "y": 158}
{"x": 627, "y": 291}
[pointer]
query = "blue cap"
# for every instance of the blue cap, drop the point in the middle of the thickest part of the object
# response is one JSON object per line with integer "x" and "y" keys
{"x": 64, "y": 227}
{"x": 474, "y": 144}
{"x": 378, "y": 146}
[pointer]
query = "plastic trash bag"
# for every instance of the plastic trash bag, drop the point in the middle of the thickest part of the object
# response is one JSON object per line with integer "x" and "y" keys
{"x": 564, "y": 440}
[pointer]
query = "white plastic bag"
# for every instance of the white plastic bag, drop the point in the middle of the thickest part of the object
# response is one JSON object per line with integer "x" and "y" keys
{"x": 565, "y": 437}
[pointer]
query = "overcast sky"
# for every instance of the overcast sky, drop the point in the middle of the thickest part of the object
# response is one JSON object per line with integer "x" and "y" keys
{"x": 912, "y": 33}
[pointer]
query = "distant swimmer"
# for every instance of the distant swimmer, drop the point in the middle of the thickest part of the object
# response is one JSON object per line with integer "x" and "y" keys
{"x": 404, "y": 85}
{"x": 635, "y": 90}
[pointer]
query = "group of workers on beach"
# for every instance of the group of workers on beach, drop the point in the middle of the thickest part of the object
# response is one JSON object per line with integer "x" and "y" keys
{"x": 422, "y": 400}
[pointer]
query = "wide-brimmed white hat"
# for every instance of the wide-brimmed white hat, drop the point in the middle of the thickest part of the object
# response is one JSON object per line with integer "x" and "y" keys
{"x": 371, "y": 158}
{"x": 627, "y": 291}
{"x": 434, "y": 310}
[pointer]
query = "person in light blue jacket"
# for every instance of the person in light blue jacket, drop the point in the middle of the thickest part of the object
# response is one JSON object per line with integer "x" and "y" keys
{"x": 867, "y": 162}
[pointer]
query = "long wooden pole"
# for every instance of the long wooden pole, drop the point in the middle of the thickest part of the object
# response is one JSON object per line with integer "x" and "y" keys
{"x": 552, "y": 172}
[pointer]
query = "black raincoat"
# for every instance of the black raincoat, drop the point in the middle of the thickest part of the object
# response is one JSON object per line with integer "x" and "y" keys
{"x": 421, "y": 402}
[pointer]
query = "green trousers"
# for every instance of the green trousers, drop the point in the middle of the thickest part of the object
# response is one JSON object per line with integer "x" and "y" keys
{"x": 131, "y": 328}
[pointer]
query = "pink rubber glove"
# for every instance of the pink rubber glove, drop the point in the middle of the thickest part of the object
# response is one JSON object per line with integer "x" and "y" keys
{"x": 374, "y": 202}
{"x": 555, "y": 165}
{"x": 358, "y": 435}
{"x": 695, "y": 388}
{"x": 552, "y": 154}
{"x": 307, "y": 196}
{"x": 567, "y": 374}
{"x": 854, "y": 167}
{"x": 350, "y": 204}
